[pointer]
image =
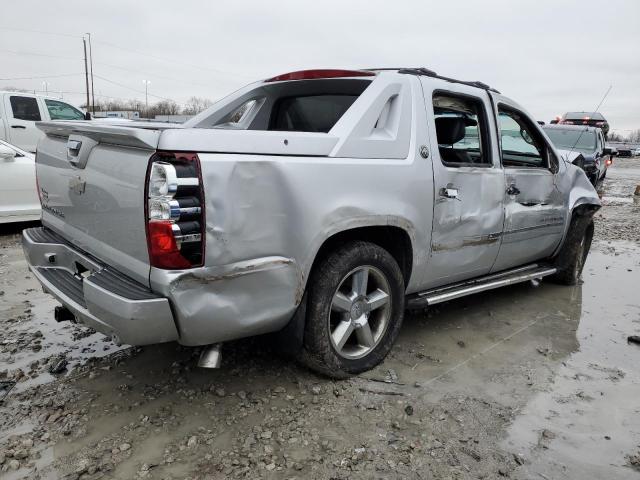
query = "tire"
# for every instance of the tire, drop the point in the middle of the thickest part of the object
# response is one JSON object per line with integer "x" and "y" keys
{"x": 350, "y": 328}
{"x": 573, "y": 254}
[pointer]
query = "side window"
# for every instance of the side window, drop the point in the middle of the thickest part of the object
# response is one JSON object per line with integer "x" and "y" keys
{"x": 241, "y": 117}
{"x": 521, "y": 144}
{"x": 461, "y": 128}
{"x": 62, "y": 111}
{"x": 25, "y": 108}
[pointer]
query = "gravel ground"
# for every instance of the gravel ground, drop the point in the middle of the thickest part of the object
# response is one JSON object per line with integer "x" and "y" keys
{"x": 524, "y": 382}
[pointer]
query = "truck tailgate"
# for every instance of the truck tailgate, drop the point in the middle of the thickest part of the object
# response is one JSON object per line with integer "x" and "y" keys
{"x": 91, "y": 182}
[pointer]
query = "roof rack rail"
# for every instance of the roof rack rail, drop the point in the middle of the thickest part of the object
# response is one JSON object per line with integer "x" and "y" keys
{"x": 430, "y": 73}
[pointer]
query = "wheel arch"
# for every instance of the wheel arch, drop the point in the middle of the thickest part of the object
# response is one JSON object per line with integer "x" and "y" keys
{"x": 394, "y": 239}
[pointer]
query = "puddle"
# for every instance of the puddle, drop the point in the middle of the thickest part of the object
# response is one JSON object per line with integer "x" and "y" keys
{"x": 591, "y": 405}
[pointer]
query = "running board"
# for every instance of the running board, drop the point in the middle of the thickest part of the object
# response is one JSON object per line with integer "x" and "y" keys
{"x": 489, "y": 282}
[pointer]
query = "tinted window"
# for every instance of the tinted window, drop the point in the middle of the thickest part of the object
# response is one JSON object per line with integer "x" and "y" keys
{"x": 313, "y": 113}
{"x": 62, "y": 111}
{"x": 461, "y": 130}
{"x": 583, "y": 116}
{"x": 25, "y": 108}
{"x": 520, "y": 143}
{"x": 582, "y": 140}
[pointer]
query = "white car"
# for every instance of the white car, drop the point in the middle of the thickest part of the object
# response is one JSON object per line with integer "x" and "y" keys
{"x": 19, "y": 200}
{"x": 636, "y": 152}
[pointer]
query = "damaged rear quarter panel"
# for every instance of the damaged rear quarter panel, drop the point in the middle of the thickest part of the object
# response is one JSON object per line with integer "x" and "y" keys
{"x": 266, "y": 218}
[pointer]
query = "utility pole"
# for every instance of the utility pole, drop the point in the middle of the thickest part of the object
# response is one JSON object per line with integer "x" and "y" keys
{"x": 146, "y": 97}
{"x": 93, "y": 92}
{"x": 86, "y": 71}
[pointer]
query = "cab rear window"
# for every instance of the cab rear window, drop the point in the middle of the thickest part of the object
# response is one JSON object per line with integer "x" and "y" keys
{"x": 313, "y": 113}
{"x": 295, "y": 106}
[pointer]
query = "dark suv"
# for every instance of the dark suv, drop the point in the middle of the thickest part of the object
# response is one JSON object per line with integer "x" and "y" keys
{"x": 591, "y": 119}
{"x": 584, "y": 147}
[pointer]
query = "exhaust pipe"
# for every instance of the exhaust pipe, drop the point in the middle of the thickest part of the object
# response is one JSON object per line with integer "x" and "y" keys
{"x": 211, "y": 356}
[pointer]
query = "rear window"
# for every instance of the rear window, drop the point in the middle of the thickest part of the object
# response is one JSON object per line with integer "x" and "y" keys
{"x": 584, "y": 116}
{"x": 294, "y": 106}
{"x": 313, "y": 113}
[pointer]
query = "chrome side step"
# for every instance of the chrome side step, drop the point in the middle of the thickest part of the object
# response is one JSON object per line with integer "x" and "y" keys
{"x": 489, "y": 282}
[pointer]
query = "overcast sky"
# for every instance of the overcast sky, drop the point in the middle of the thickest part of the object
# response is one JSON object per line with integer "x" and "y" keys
{"x": 551, "y": 56}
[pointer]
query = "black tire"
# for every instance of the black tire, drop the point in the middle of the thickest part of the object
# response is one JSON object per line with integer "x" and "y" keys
{"x": 573, "y": 254}
{"x": 319, "y": 352}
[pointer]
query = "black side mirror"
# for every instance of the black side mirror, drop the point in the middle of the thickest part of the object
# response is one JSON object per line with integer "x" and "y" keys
{"x": 87, "y": 116}
{"x": 609, "y": 151}
{"x": 579, "y": 161}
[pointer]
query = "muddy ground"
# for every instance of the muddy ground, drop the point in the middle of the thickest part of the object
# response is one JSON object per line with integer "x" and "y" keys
{"x": 525, "y": 382}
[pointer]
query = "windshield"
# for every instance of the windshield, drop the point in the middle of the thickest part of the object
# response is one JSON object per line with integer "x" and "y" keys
{"x": 581, "y": 140}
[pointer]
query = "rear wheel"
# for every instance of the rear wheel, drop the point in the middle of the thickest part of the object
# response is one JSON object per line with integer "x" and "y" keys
{"x": 573, "y": 254}
{"x": 355, "y": 310}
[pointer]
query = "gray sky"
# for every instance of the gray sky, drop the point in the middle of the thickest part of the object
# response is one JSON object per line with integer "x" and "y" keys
{"x": 551, "y": 56}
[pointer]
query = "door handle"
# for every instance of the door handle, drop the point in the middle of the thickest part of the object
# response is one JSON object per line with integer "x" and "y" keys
{"x": 18, "y": 126}
{"x": 449, "y": 192}
{"x": 513, "y": 190}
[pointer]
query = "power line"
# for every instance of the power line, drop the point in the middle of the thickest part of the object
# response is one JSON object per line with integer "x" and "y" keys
{"x": 40, "y": 55}
{"x": 40, "y": 31}
{"x": 42, "y": 76}
{"x": 133, "y": 89}
{"x": 166, "y": 60}
{"x": 153, "y": 75}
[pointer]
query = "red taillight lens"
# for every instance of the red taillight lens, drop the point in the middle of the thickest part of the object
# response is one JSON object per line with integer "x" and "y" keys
{"x": 163, "y": 249}
{"x": 315, "y": 74}
{"x": 609, "y": 162}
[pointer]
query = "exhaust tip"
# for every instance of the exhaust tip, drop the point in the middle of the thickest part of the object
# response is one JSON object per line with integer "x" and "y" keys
{"x": 211, "y": 356}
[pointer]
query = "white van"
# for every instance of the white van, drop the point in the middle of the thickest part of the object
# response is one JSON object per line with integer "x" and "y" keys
{"x": 19, "y": 112}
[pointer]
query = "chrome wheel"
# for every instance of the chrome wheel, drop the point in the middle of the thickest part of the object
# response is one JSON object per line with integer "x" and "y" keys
{"x": 360, "y": 312}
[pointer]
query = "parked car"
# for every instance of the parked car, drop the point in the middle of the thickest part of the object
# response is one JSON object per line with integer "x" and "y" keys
{"x": 317, "y": 204}
{"x": 636, "y": 152}
{"x": 18, "y": 192}
{"x": 19, "y": 113}
{"x": 625, "y": 151}
{"x": 591, "y": 119}
{"x": 584, "y": 146}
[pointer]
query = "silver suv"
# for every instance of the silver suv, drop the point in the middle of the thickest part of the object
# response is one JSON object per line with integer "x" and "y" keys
{"x": 317, "y": 204}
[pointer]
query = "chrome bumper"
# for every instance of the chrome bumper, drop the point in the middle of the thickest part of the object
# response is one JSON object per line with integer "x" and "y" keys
{"x": 97, "y": 295}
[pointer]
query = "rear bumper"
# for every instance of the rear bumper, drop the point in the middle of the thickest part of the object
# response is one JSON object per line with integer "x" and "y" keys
{"x": 105, "y": 300}
{"x": 195, "y": 307}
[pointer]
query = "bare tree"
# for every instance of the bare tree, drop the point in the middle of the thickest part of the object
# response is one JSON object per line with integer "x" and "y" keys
{"x": 196, "y": 105}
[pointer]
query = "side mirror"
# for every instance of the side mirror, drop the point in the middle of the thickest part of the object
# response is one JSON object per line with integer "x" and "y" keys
{"x": 87, "y": 116}
{"x": 7, "y": 154}
{"x": 609, "y": 151}
{"x": 579, "y": 161}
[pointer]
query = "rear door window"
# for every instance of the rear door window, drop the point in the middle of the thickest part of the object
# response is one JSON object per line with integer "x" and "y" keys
{"x": 25, "y": 108}
{"x": 312, "y": 113}
{"x": 461, "y": 128}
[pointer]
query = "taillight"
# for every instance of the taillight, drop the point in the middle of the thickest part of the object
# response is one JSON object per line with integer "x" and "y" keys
{"x": 608, "y": 162}
{"x": 175, "y": 211}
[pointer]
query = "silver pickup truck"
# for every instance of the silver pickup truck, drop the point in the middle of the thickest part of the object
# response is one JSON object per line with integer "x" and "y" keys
{"x": 318, "y": 204}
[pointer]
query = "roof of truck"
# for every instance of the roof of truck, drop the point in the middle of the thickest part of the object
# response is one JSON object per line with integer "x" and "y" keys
{"x": 316, "y": 74}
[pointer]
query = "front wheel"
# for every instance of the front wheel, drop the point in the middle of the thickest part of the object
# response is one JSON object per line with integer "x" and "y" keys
{"x": 355, "y": 310}
{"x": 573, "y": 254}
